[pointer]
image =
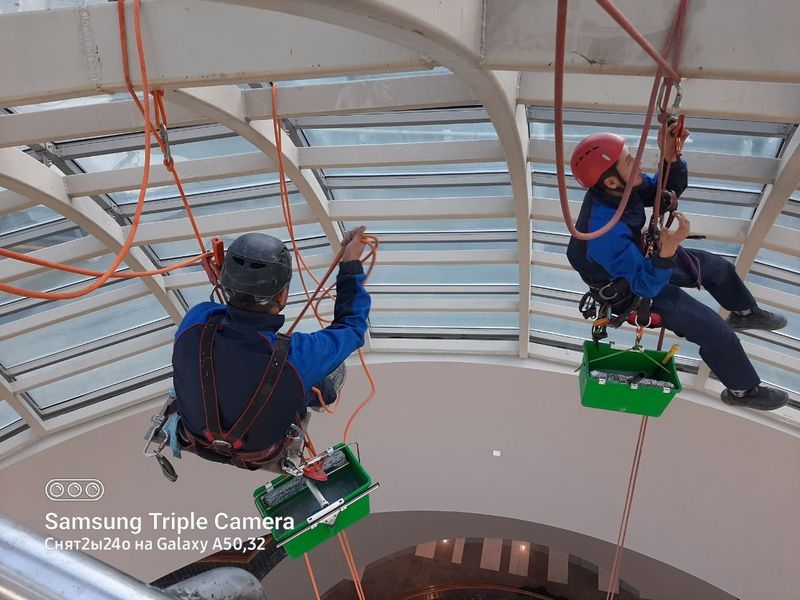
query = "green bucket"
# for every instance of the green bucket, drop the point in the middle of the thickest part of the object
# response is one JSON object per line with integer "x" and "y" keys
{"x": 612, "y": 392}
{"x": 347, "y": 491}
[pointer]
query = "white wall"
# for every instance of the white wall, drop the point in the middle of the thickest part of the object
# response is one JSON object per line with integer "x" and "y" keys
{"x": 717, "y": 493}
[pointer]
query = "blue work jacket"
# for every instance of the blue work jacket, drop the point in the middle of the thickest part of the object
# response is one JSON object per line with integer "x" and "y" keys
{"x": 619, "y": 253}
{"x": 242, "y": 348}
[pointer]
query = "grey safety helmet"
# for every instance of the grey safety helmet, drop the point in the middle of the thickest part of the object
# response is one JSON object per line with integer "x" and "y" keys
{"x": 258, "y": 265}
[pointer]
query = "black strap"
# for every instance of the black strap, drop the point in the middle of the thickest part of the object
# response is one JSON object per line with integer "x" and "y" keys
{"x": 208, "y": 387}
{"x": 226, "y": 442}
{"x": 264, "y": 392}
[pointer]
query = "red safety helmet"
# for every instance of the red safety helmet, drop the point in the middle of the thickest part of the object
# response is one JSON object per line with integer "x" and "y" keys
{"x": 594, "y": 155}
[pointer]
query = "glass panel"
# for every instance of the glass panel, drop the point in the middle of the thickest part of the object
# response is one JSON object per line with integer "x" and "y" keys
{"x": 225, "y": 146}
{"x": 777, "y": 376}
{"x": 221, "y": 208}
{"x": 97, "y": 379}
{"x": 776, "y": 284}
{"x": 189, "y": 247}
{"x": 24, "y": 219}
{"x": 400, "y": 134}
{"x": 496, "y": 167}
{"x": 68, "y": 235}
{"x": 698, "y": 141}
{"x": 448, "y": 319}
{"x": 70, "y": 334}
{"x": 577, "y": 332}
{"x": 50, "y": 280}
{"x": 345, "y": 78}
{"x": 197, "y": 187}
{"x": 7, "y": 415}
{"x": 420, "y": 192}
{"x": 85, "y": 100}
{"x": 779, "y": 259}
{"x": 457, "y": 273}
{"x": 451, "y": 225}
{"x": 561, "y": 279}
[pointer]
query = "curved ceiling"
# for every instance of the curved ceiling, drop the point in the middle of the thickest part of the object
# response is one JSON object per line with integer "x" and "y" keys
{"x": 415, "y": 118}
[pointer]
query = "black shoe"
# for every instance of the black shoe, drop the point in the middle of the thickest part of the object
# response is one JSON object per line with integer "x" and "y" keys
{"x": 760, "y": 398}
{"x": 757, "y": 319}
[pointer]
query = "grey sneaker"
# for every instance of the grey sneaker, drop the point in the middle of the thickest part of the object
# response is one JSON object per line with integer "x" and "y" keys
{"x": 759, "y": 398}
{"x": 757, "y": 319}
{"x": 337, "y": 377}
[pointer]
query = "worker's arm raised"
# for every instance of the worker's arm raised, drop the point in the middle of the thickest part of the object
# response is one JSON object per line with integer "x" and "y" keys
{"x": 315, "y": 355}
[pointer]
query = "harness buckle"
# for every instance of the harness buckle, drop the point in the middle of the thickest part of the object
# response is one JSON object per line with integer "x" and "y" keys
{"x": 221, "y": 447}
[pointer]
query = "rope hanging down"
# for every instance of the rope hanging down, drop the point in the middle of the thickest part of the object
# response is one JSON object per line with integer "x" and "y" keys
{"x": 558, "y": 105}
{"x": 659, "y": 95}
{"x": 313, "y": 302}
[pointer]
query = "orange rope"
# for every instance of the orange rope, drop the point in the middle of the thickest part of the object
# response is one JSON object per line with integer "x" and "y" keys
{"x": 313, "y": 579}
{"x": 312, "y": 302}
{"x": 149, "y": 129}
{"x": 351, "y": 564}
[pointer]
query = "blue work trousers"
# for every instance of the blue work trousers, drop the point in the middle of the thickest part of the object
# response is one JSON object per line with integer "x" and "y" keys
{"x": 720, "y": 347}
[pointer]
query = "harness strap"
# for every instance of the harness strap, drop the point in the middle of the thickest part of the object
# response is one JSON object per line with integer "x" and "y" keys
{"x": 208, "y": 386}
{"x": 226, "y": 443}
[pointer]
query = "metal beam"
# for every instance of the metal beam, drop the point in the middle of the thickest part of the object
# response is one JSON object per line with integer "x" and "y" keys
{"x": 775, "y": 102}
{"x": 49, "y": 125}
{"x": 22, "y": 408}
{"x": 701, "y": 164}
{"x": 201, "y": 169}
{"x": 25, "y": 175}
{"x": 477, "y": 207}
{"x": 355, "y": 97}
{"x": 249, "y": 45}
{"x": 518, "y": 35}
{"x": 67, "y": 252}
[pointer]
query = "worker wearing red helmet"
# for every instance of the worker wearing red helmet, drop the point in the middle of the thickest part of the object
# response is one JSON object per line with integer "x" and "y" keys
{"x": 603, "y": 164}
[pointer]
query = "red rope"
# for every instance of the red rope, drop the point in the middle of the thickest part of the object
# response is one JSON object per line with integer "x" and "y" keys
{"x": 623, "y": 528}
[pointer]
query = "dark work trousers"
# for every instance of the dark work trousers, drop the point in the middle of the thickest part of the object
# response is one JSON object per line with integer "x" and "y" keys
{"x": 720, "y": 348}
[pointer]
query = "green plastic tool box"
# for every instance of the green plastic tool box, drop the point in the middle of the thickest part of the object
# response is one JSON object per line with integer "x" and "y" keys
{"x": 346, "y": 490}
{"x": 608, "y": 394}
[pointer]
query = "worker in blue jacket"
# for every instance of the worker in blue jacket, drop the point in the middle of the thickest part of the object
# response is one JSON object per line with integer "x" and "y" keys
{"x": 604, "y": 164}
{"x": 242, "y": 389}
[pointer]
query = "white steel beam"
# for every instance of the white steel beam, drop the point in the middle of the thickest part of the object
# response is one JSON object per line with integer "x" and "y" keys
{"x": 701, "y": 164}
{"x": 354, "y": 97}
{"x": 25, "y": 175}
{"x": 518, "y": 35}
{"x": 22, "y": 408}
{"x": 159, "y": 232}
{"x": 419, "y": 153}
{"x": 83, "y": 122}
{"x": 190, "y": 171}
{"x": 774, "y": 102}
{"x": 249, "y": 45}
{"x": 483, "y": 207}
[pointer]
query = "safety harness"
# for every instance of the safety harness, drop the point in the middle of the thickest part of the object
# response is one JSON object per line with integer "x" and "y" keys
{"x": 228, "y": 444}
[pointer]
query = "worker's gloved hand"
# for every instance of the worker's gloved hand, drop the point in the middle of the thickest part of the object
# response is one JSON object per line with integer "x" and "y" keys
{"x": 671, "y": 239}
{"x": 353, "y": 244}
{"x": 668, "y": 146}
